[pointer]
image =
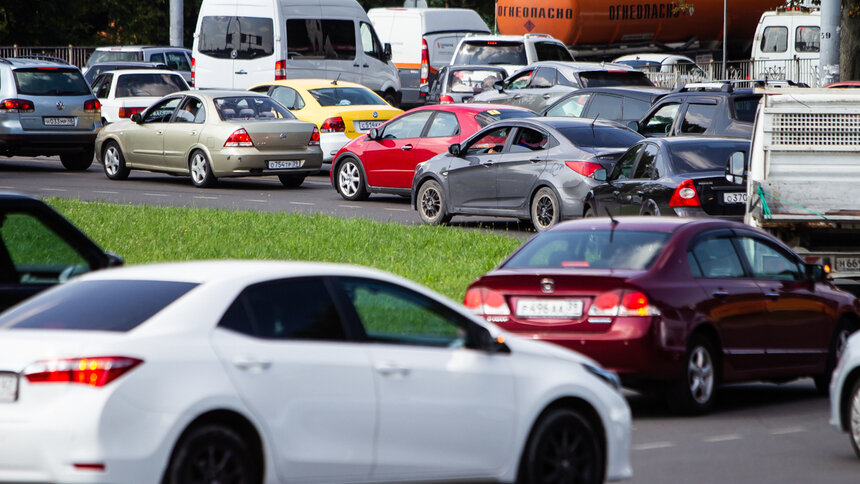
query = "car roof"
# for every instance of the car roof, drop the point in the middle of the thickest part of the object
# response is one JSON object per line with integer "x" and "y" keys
{"x": 636, "y": 91}
{"x": 470, "y": 107}
{"x": 213, "y": 93}
{"x": 139, "y": 47}
{"x": 310, "y": 83}
{"x": 653, "y": 57}
{"x": 557, "y": 122}
{"x": 685, "y": 140}
{"x": 25, "y": 62}
{"x": 126, "y": 72}
{"x": 647, "y": 223}
{"x": 579, "y": 66}
{"x": 482, "y": 37}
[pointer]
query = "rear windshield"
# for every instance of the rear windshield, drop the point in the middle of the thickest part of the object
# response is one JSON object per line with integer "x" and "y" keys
{"x": 491, "y": 52}
{"x": 224, "y": 37}
{"x": 114, "y": 56}
{"x": 486, "y": 117}
{"x": 614, "y": 78}
{"x": 249, "y": 108}
{"x": 598, "y": 249}
{"x": 473, "y": 81}
{"x": 346, "y": 96}
{"x": 600, "y": 137}
{"x": 51, "y": 81}
{"x": 134, "y": 85}
{"x": 95, "y": 305}
{"x": 695, "y": 157}
{"x": 745, "y": 108}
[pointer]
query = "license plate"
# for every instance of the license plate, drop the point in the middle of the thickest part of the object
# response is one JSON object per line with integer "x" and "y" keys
{"x": 549, "y": 308}
{"x": 367, "y": 125}
{"x": 285, "y": 164}
{"x": 65, "y": 121}
{"x": 734, "y": 198}
{"x": 8, "y": 387}
{"x": 847, "y": 264}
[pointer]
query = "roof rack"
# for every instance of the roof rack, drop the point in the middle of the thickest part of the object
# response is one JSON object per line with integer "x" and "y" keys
{"x": 44, "y": 58}
{"x": 714, "y": 86}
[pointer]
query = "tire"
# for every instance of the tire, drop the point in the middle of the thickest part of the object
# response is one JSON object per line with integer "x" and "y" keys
{"x": 431, "y": 205}
{"x": 563, "y": 447}
{"x": 349, "y": 180}
{"x": 854, "y": 418}
{"x": 695, "y": 392}
{"x": 589, "y": 213}
{"x": 844, "y": 329}
{"x": 114, "y": 162}
{"x": 201, "y": 170}
{"x": 390, "y": 98}
{"x": 291, "y": 181}
{"x": 545, "y": 209}
{"x": 78, "y": 161}
{"x": 212, "y": 453}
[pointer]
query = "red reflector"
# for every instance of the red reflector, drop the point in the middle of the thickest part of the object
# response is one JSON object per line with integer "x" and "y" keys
{"x": 17, "y": 106}
{"x": 333, "y": 125}
{"x": 239, "y": 138}
{"x": 97, "y": 371}
{"x": 446, "y": 99}
{"x": 127, "y": 112}
{"x": 315, "y": 138}
{"x": 491, "y": 42}
{"x": 85, "y": 466}
{"x": 584, "y": 168}
{"x": 685, "y": 195}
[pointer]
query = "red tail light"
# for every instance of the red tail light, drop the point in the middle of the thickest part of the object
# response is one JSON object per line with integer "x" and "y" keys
{"x": 685, "y": 195}
{"x": 584, "y": 168}
{"x": 487, "y": 303}
{"x": 92, "y": 106}
{"x": 425, "y": 64}
{"x": 16, "y": 106}
{"x": 127, "y": 112}
{"x": 446, "y": 99}
{"x": 333, "y": 125}
{"x": 193, "y": 71}
{"x": 622, "y": 303}
{"x": 96, "y": 372}
{"x": 239, "y": 138}
{"x": 280, "y": 70}
{"x": 315, "y": 138}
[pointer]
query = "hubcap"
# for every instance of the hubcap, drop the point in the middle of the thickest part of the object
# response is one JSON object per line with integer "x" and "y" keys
{"x": 111, "y": 161}
{"x": 544, "y": 211}
{"x": 349, "y": 179}
{"x": 431, "y": 203}
{"x": 565, "y": 456}
{"x": 215, "y": 464}
{"x": 198, "y": 168}
{"x": 700, "y": 371}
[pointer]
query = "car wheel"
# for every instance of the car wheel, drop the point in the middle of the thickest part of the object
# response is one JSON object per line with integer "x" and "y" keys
{"x": 854, "y": 418}
{"x": 212, "y": 453}
{"x": 563, "y": 447}
{"x": 349, "y": 180}
{"x": 390, "y": 98}
{"x": 201, "y": 170}
{"x": 431, "y": 204}
{"x": 844, "y": 329}
{"x": 78, "y": 161}
{"x": 589, "y": 213}
{"x": 114, "y": 161}
{"x": 696, "y": 390}
{"x": 545, "y": 209}
{"x": 291, "y": 181}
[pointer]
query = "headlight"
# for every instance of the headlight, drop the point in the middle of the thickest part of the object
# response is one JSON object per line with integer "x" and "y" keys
{"x": 607, "y": 376}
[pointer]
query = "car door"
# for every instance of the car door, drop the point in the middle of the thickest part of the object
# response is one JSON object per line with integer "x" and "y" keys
{"x": 518, "y": 170}
{"x": 102, "y": 87}
{"x": 373, "y": 63}
{"x": 640, "y": 189}
{"x": 303, "y": 376}
{"x": 661, "y": 120}
{"x": 608, "y": 195}
{"x": 572, "y": 106}
{"x": 443, "y": 130}
{"x": 698, "y": 117}
{"x": 446, "y": 409}
{"x": 145, "y": 140}
{"x": 539, "y": 93}
{"x": 183, "y": 133}
{"x": 510, "y": 92}
{"x": 390, "y": 160}
{"x": 471, "y": 177}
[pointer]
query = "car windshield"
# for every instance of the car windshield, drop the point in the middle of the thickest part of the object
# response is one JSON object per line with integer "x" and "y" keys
{"x": 249, "y": 108}
{"x": 346, "y": 96}
{"x": 600, "y": 136}
{"x": 614, "y": 78}
{"x": 491, "y": 52}
{"x": 122, "y": 306}
{"x": 472, "y": 80}
{"x": 114, "y": 56}
{"x": 51, "y": 81}
{"x": 492, "y": 115}
{"x": 155, "y": 84}
{"x": 696, "y": 157}
{"x": 596, "y": 249}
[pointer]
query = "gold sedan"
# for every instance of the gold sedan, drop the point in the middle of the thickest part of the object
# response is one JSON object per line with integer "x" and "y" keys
{"x": 212, "y": 134}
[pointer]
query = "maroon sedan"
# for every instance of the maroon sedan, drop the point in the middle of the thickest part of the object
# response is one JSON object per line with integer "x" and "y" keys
{"x": 384, "y": 159}
{"x": 673, "y": 305}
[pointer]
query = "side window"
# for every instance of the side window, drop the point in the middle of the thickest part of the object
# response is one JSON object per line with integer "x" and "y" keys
{"x": 409, "y": 126}
{"x": 604, "y": 106}
{"x": 289, "y": 97}
{"x": 529, "y": 140}
{"x": 177, "y": 61}
{"x": 698, "y": 118}
{"x": 35, "y": 252}
{"x": 444, "y": 124}
{"x": 519, "y": 81}
{"x": 767, "y": 262}
{"x": 369, "y": 41}
{"x": 570, "y": 107}
{"x": 286, "y": 309}
{"x": 103, "y": 89}
{"x": 645, "y": 167}
{"x": 807, "y": 38}
{"x": 161, "y": 112}
{"x": 774, "y": 39}
{"x": 339, "y": 39}
{"x": 317, "y": 38}
{"x": 492, "y": 141}
{"x": 634, "y": 108}
{"x": 717, "y": 258}
{"x": 552, "y": 51}
{"x": 159, "y": 57}
{"x": 544, "y": 77}
{"x": 395, "y": 314}
{"x": 624, "y": 166}
{"x": 661, "y": 121}
{"x": 192, "y": 111}
{"x": 694, "y": 265}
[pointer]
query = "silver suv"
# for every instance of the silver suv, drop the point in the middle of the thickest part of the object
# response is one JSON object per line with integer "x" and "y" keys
{"x": 47, "y": 108}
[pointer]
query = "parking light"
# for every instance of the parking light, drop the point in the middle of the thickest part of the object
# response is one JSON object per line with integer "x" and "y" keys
{"x": 425, "y": 65}
{"x": 193, "y": 71}
{"x": 622, "y": 303}
{"x": 446, "y": 99}
{"x": 127, "y": 112}
{"x": 280, "y": 70}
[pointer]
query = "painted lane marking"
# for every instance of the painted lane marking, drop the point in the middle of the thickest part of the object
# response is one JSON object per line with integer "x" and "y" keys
{"x": 787, "y": 430}
{"x": 256, "y": 201}
{"x": 6, "y": 188}
{"x": 105, "y": 192}
{"x": 723, "y": 438}
{"x": 349, "y": 206}
{"x": 653, "y": 445}
{"x": 397, "y": 210}
{"x": 54, "y": 189}
{"x": 156, "y": 194}
{"x": 302, "y": 203}
{"x": 205, "y": 197}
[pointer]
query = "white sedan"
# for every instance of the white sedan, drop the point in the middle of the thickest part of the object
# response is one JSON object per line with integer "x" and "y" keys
{"x": 249, "y": 372}
{"x": 125, "y": 92}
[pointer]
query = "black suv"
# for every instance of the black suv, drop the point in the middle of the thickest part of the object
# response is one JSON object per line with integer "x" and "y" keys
{"x": 704, "y": 109}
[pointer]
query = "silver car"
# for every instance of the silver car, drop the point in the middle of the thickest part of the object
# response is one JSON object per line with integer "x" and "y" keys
{"x": 212, "y": 134}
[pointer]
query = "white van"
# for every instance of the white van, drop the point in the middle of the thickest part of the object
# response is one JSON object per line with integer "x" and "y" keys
{"x": 786, "y": 45}
{"x": 422, "y": 41}
{"x": 241, "y": 43}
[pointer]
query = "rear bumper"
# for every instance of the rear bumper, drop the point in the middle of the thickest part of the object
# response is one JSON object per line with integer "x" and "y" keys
{"x": 236, "y": 162}
{"x": 50, "y": 143}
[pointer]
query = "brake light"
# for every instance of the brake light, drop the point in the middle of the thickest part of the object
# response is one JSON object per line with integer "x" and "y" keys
{"x": 315, "y": 138}
{"x": 92, "y": 106}
{"x": 685, "y": 195}
{"x": 425, "y": 65}
{"x": 16, "y": 106}
{"x": 193, "y": 71}
{"x": 487, "y": 303}
{"x": 96, "y": 372}
{"x": 446, "y": 99}
{"x": 584, "y": 168}
{"x": 127, "y": 112}
{"x": 280, "y": 70}
{"x": 622, "y": 303}
{"x": 333, "y": 125}
{"x": 239, "y": 138}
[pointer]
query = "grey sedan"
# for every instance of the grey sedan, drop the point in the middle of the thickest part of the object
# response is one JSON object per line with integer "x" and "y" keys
{"x": 534, "y": 169}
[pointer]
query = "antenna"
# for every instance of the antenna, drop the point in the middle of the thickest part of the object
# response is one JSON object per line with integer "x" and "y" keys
{"x": 614, "y": 223}
{"x": 334, "y": 82}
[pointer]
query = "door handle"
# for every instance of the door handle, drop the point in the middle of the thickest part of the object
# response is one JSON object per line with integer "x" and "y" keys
{"x": 518, "y": 96}
{"x": 535, "y": 160}
{"x": 406, "y": 147}
{"x": 547, "y": 96}
{"x": 159, "y": 132}
{"x": 616, "y": 193}
{"x": 193, "y": 133}
{"x": 772, "y": 294}
{"x": 241, "y": 71}
{"x": 488, "y": 163}
{"x": 251, "y": 364}
{"x": 720, "y": 293}
{"x": 391, "y": 369}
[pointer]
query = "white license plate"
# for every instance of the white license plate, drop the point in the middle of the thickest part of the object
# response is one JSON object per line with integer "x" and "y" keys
{"x": 367, "y": 125}
{"x": 549, "y": 308}
{"x": 847, "y": 264}
{"x": 66, "y": 121}
{"x": 8, "y": 387}
{"x": 734, "y": 198}
{"x": 285, "y": 164}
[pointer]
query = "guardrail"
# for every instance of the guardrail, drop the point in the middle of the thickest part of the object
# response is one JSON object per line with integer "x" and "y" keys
{"x": 75, "y": 55}
{"x": 803, "y": 71}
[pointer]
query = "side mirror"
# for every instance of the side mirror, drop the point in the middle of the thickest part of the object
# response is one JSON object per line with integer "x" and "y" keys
{"x": 373, "y": 134}
{"x": 482, "y": 339}
{"x": 499, "y": 86}
{"x": 424, "y": 90}
{"x": 633, "y": 125}
{"x": 815, "y": 272}
{"x": 114, "y": 260}
{"x": 386, "y": 52}
{"x": 599, "y": 174}
{"x": 454, "y": 149}
{"x": 736, "y": 168}
{"x": 135, "y": 118}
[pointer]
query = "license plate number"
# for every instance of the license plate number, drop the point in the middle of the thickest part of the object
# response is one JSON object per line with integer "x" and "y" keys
{"x": 734, "y": 198}
{"x": 549, "y": 308}
{"x": 846, "y": 264}
{"x": 8, "y": 387}
{"x": 367, "y": 125}
{"x": 65, "y": 121}
{"x": 285, "y": 164}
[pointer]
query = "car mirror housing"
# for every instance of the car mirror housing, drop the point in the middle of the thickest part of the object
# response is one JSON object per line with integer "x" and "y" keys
{"x": 454, "y": 149}
{"x": 633, "y": 125}
{"x": 373, "y": 134}
{"x": 482, "y": 339}
{"x": 736, "y": 168}
{"x": 424, "y": 89}
{"x": 386, "y": 51}
{"x": 599, "y": 174}
{"x": 135, "y": 118}
{"x": 499, "y": 86}
{"x": 815, "y": 272}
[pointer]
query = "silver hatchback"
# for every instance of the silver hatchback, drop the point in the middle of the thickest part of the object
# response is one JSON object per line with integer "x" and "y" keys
{"x": 47, "y": 108}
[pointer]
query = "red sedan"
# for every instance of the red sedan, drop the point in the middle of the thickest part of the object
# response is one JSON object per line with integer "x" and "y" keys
{"x": 384, "y": 160}
{"x": 673, "y": 305}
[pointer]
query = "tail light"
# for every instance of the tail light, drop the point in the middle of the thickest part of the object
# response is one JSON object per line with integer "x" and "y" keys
{"x": 16, "y": 106}
{"x": 685, "y": 195}
{"x": 487, "y": 303}
{"x": 333, "y": 125}
{"x": 96, "y": 372}
{"x": 92, "y": 106}
{"x": 193, "y": 71}
{"x": 239, "y": 138}
{"x": 446, "y": 99}
{"x": 584, "y": 168}
{"x": 622, "y": 303}
{"x": 280, "y": 70}
{"x": 127, "y": 112}
{"x": 425, "y": 64}
{"x": 315, "y": 138}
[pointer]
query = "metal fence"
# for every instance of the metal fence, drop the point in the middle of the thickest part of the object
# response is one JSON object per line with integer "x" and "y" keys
{"x": 77, "y": 56}
{"x": 804, "y": 71}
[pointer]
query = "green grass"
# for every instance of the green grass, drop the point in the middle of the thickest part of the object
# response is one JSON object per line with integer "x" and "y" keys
{"x": 445, "y": 259}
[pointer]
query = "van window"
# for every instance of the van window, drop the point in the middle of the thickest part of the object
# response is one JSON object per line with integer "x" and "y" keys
{"x": 321, "y": 39}
{"x": 370, "y": 42}
{"x": 551, "y": 51}
{"x": 492, "y": 52}
{"x": 224, "y": 37}
{"x": 774, "y": 39}
{"x": 807, "y": 38}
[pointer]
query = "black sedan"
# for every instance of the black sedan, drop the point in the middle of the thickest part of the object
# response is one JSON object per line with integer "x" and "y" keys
{"x": 535, "y": 169}
{"x": 684, "y": 176}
